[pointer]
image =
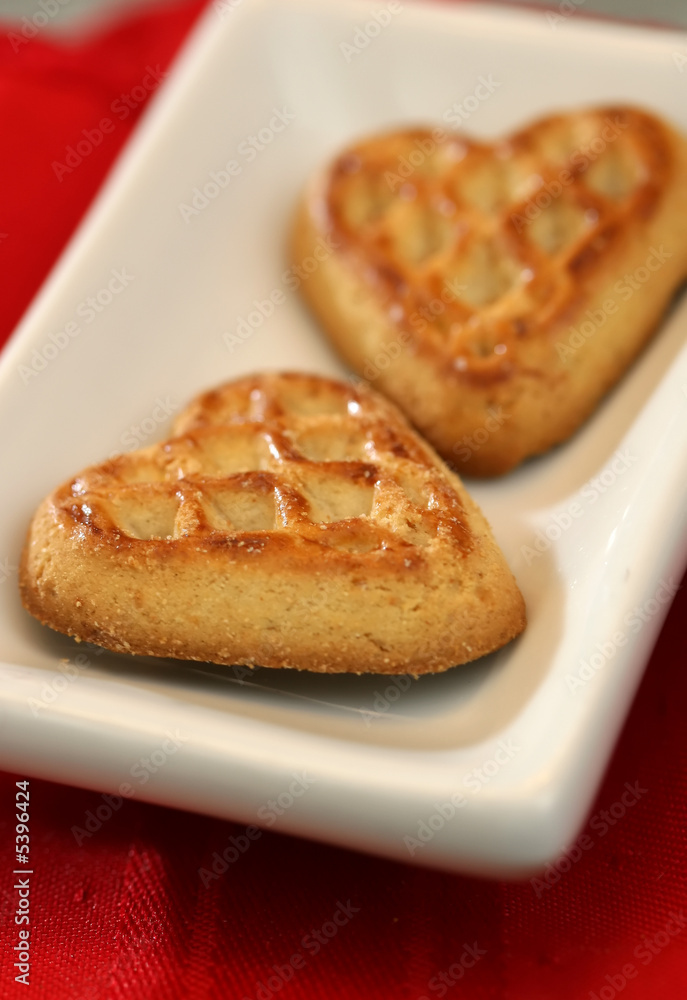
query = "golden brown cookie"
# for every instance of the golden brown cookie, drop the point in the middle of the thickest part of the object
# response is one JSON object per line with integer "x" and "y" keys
{"x": 292, "y": 521}
{"x": 496, "y": 292}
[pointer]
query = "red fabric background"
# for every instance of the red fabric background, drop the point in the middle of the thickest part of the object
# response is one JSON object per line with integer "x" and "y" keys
{"x": 126, "y": 914}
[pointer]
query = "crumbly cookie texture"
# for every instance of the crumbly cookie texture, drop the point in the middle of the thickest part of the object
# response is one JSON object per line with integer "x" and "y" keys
{"x": 292, "y": 521}
{"x": 496, "y": 292}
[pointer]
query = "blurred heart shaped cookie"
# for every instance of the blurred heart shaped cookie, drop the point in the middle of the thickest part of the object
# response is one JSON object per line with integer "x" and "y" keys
{"x": 495, "y": 292}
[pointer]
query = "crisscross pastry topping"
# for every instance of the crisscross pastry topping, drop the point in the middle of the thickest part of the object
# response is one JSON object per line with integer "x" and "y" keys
{"x": 284, "y": 510}
{"x": 282, "y": 459}
{"x": 463, "y": 269}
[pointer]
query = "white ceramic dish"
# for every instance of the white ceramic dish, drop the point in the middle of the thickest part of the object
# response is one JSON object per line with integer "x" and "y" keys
{"x": 519, "y": 748}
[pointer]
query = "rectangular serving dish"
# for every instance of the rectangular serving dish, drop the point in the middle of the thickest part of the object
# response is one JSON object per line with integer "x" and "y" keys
{"x": 489, "y": 768}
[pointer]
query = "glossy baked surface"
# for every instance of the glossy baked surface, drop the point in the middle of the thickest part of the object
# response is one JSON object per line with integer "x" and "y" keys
{"x": 292, "y": 521}
{"x": 500, "y": 275}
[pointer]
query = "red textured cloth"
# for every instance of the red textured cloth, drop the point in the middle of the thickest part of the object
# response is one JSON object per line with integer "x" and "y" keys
{"x": 126, "y": 915}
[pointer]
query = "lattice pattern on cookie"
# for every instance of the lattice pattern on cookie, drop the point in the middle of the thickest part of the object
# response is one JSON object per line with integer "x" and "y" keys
{"x": 475, "y": 246}
{"x": 277, "y": 455}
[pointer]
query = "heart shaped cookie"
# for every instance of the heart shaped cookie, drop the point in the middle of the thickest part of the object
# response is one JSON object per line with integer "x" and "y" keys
{"x": 496, "y": 292}
{"x": 292, "y": 521}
